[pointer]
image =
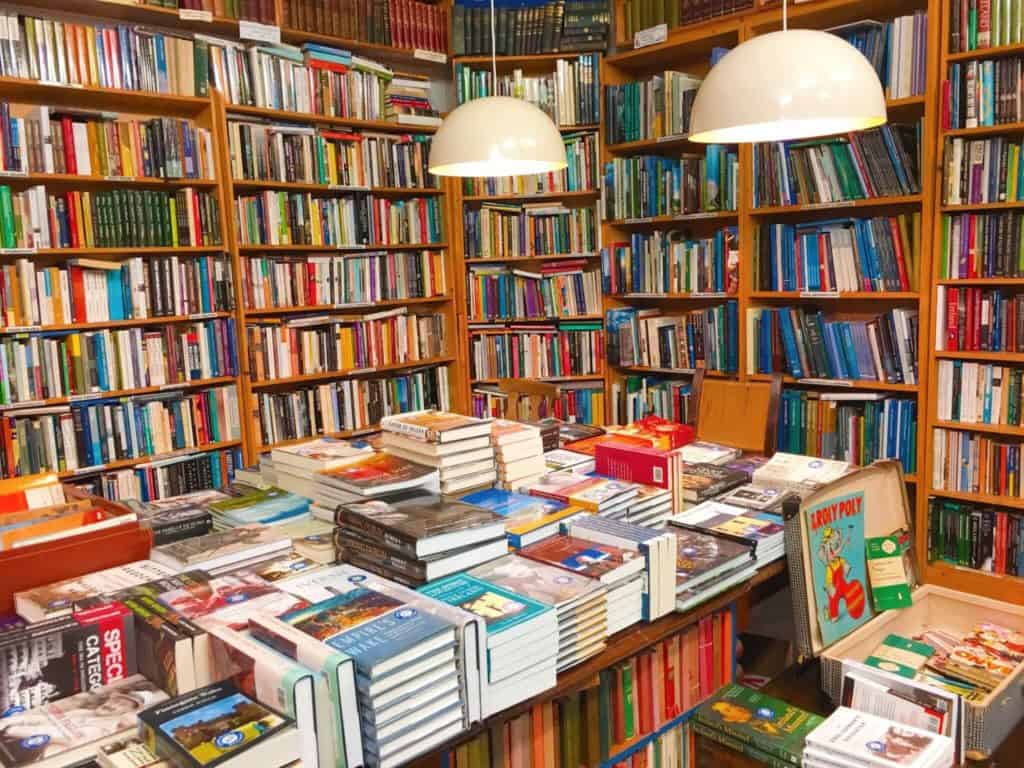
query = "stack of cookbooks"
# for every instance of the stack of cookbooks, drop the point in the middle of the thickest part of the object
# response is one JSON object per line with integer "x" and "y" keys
{"x": 367, "y": 477}
{"x": 392, "y": 642}
{"x": 458, "y": 447}
{"x": 770, "y": 731}
{"x": 620, "y": 570}
{"x": 417, "y": 536}
{"x": 763, "y": 528}
{"x": 295, "y": 465}
{"x": 579, "y": 601}
{"x": 519, "y": 453}
{"x": 522, "y": 638}
{"x": 849, "y": 737}
{"x": 707, "y": 565}
{"x": 527, "y": 518}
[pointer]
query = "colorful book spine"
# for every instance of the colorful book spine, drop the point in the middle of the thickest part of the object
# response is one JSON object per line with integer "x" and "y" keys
{"x": 569, "y": 349}
{"x": 543, "y": 26}
{"x": 665, "y": 263}
{"x": 978, "y": 319}
{"x": 896, "y": 49}
{"x": 652, "y": 185}
{"x": 504, "y": 231}
{"x": 980, "y": 393}
{"x": 577, "y": 402}
{"x": 640, "y": 396}
{"x": 976, "y": 536}
{"x": 982, "y": 93}
{"x": 169, "y": 477}
{"x": 967, "y": 462}
{"x": 981, "y": 244}
{"x": 581, "y": 175}
{"x": 399, "y": 23}
{"x": 558, "y": 290}
{"x": 650, "y": 109}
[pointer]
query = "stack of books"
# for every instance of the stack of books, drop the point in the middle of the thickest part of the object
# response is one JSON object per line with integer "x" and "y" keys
{"x": 267, "y": 506}
{"x": 417, "y": 536}
{"x": 365, "y": 478}
{"x": 798, "y": 474}
{"x": 651, "y": 507}
{"x": 595, "y": 493}
{"x": 561, "y": 458}
{"x": 458, "y": 447}
{"x": 700, "y": 482}
{"x": 707, "y": 565}
{"x": 223, "y": 550}
{"x": 295, "y": 465}
{"x": 766, "y": 729}
{"x": 761, "y": 528}
{"x": 522, "y": 637}
{"x": 579, "y": 602}
{"x": 519, "y": 453}
{"x": 849, "y": 737}
{"x": 620, "y": 570}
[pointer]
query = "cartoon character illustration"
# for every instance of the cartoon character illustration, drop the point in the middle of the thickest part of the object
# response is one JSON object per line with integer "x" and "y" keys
{"x": 838, "y": 585}
{"x": 738, "y": 714}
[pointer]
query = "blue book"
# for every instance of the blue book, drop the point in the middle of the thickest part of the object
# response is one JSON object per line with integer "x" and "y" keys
{"x": 789, "y": 344}
{"x": 115, "y": 295}
{"x": 732, "y": 323}
{"x": 848, "y": 348}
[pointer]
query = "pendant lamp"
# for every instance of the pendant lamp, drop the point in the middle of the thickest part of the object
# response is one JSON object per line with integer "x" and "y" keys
{"x": 793, "y": 84}
{"x": 496, "y": 136}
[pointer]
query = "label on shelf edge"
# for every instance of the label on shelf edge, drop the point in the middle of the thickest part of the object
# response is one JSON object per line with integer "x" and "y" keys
{"x": 193, "y": 14}
{"x": 120, "y": 178}
{"x": 348, "y": 188}
{"x": 674, "y": 137}
{"x": 13, "y": 173}
{"x": 88, "y": 470}
{"x": 435, "y": 56}
{"x": 709, "y": 294}
{"x": 175, "y": 385}
{"x": 838, "y": 204}
{"x": 264, "y": 33}
{"x": 650, "y": 36}
{"x": 17, "y": 251}
{"x": 55, "y": 84}
{"x": 362, "y": 370}
{"x": 202, "y": 316}
{"x": 640, "y": 220}
{"x": 826, "y": 382}
{"x": 21, "y": 329}
{"x": 819, "y": 294}
{"x": 86, "y": 396}
{"x": 352, "y": 246}
{"x": 26, "y": 404}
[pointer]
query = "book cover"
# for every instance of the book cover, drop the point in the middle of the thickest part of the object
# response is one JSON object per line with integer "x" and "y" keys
{"x": 835, "y": 542}
{"x": 220, "y": 544}
{"x": 698, "y": 554}
{"x": 320, "y": 453}
{"x": 435, "y": 426}
{"x": 875, "y": 741}
{"x": 362, "y": 475}
{"x": 515, "y": 508}
{"x": 500, "y": 608}
{"x": 202, "y": 597}
{"x": 601, "y": 492}
{"x": 540, "y": 581}
{"x": 588, "y": 558}
{"x": 285, "y": 567}
{"x": 771, "y": 725}
{"x": 702, "y": 481}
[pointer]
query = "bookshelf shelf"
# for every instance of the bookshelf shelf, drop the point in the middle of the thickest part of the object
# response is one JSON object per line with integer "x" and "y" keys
{"x": 528, "y": 197}
{"x": 986, "y": 130}
{"x": 678, "y": 218}
{"x": 117, "y": 393}
{"x": 548, "y": 257}
{"x": 311, "y": 378}
{"x": 517, "y": 320}
{"x": 392, "y": 54}
{"x": 75, "y": 180}
{"x": 331, "y": 248}
{"x": 876, "y": 386}
{"x": 994, "y": 52}
{"x": 384, "y": 126}
{"x": 241, "y": 185}
{"x": 692, "y": 42}
{"x": 127, "y": 463}
{"x": 995, "y": 429}
{"x": 582, "y": 128}
{"x": 840, "y": 296}
{"x": 512, "y": 62}
{"x": 22, "y": 91}
{"x": 870, "y": 202}
{"x": 337, "y": 308}
{"x": 114, "y": 324}
{"x": 648, "y": 145}
{"x": 641, "y": 369}
{"x": 980, "y": 281}
{"x": 992, "y": 585}
{"x": 146, "y": 14}
{"x": 1003, "y": 205}
{"x": 671, "y": 296}
{"x": 591, "y": 377}
{"x": 980, "y": 498}
{"x": 146, "y": 251}
{"x": 993, "y": 357}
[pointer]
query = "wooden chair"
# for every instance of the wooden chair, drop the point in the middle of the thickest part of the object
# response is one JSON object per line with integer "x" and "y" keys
{"x": 528, "y": 400}
{"x": 741, "y": 414}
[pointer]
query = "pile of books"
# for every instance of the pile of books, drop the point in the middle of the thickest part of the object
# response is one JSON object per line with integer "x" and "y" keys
{"x": 849, "y": 737}
{"x": 458, "y": 447}
{"x": 407, "y": 101}
{"x": 518, "y": 452}
{"x": 761, "y": 529}
{"x": 367, "y": 477}
{"x": 708, "y": 564}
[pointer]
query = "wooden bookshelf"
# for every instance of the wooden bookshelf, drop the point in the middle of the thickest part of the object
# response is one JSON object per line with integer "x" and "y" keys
{"x": 997, "y": 586}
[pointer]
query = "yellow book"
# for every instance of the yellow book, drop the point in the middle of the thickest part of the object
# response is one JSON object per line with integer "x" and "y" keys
{"x": 85, "y": 220}
{"x": 172, "y": 212}
{"x": 126, "y": 141}
{"x": 57, "y": 296}
{"x": 92, "y": 56}
{"x": 331, "y": 160}
{"x": 346, "y": 342}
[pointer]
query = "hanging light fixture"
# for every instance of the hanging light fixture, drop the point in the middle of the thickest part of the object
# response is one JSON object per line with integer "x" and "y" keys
{"x": 496, "y": 136}
{"x": 793, "y": 84}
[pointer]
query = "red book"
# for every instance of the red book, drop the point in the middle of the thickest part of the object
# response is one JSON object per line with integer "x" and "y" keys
{"x": 634, "y": 463}
{"x": 331, "y": 66}
{"x": 901, "y": 263}
{"x": 69, "y": 145}
{"x": 76, "y": 276}
{"x": 952, "y": 300}
{"x": 975, "y": 326}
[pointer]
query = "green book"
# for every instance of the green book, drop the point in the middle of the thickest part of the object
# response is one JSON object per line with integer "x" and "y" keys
{"x": 628, "y": 701}
{"x": 738, "y": 746}
{"x": 6, "y": 217}
{"x": 770, "y": 725}
{"x": 900, "y": 656}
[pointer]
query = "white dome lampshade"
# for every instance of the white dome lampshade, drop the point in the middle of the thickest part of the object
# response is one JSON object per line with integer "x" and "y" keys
{"x": 794, "y": 84}
{"x": 496, "y": 136}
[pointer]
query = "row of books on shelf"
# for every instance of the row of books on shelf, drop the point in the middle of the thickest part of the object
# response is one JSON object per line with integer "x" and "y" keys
{"x": 858, "y": 428}
{"x": 124, "y": 218}
{"x": 878, "y": 162}
{"x": 167, "y": 477}
{"x": 569, "y": 95}
{"x": 561, "y": 289}
{"x": 336, "y": 343}
{"x": 255, "y": 10}
{"x": 897, "y": 50}
{"x": 845, "y": 255}
{"x": 399, "y": 23}
{"x": 508, "y": 230}
{"x": 975, "y": 26}
{"x": 975, "y": 536}
{"x": 979, "y": 393}
{"x": 581, "y": 175}
{"x": 309, "y": 155}
{"x": 981, "y": 171}
{"x": 349, "y": 405}
{"x": 805, "y": 344}
{"x": 966, "y": 462}
{"x": 534, "y": 352}
{"x": 580, "y": 402}
{"x": 95, "y": 290}
{"x": 65, "y": 438}
{"x": 652, "y": 185}
{"x": 537, "y": 26}
{"x": 701, "y": 338}
{"x": 639, "y": 16}
{"x": 982, "y": 93}
{"x": 118, "y": 56}
{"x": 980, "y": 244}
{"x": 42, "y": 366}
{"x": 650, "y": 109}
{"x": 300, "y": 218}
{"x": 668, "y": 262}
{"x": 43, "y": 139}
{"x": 978, "y": 320}
{"x": 331, "y": 280}
{"x": 636, "y": 397}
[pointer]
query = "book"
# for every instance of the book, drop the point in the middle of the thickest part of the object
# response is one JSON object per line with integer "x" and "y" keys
{"x": 436, "y": 426}
{"x": 800, "y": 473}
{"x": 700, "y": 482}
{"x": 222, "y": 549}
{"x": 540, "y": 581}
{"x": 959, "y": 534}
{"x": 861, "y": 739}
{"x": 693, "y": 184}
{"x": 603, "y": 562}
{"x": 219, "y": 725}
{"x": 126, "y": 753}
{"x": 900, "y": 655}
{"x": 754, "y": 497}
{"x": 377, "y": 473}
{"x": 66, "y": 731}
{"x": 701, "y": 557}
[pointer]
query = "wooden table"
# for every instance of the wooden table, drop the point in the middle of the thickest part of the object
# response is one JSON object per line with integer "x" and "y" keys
{"x": 800, "y": 685}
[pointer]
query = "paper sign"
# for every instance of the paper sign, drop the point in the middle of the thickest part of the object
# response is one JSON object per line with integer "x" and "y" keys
{"x": 264, "y": 33}
{"x": 193, "y": 14}
{"x": 650, "y": 36}
{"x": 435, "y": 56}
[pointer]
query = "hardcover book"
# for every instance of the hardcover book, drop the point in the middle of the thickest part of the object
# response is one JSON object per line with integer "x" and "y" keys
{"x": 377, "y": 473}
{"x": 604, "y": 562}
{"x": 436, "y": 426}
{"x": 543, "y": 582}
{"x": 705, "y": 481}
{"x": 868, "y": 740}
{"x": 702, "y": 556}
{"x": 500, "y": 608}
{"x": 223, "y": 547}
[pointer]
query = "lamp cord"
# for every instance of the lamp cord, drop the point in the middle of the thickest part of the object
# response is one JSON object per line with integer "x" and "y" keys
{"x": 494, "y": 52}
{"x": 785, "y": 24}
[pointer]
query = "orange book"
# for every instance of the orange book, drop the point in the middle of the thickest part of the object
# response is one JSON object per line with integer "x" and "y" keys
{"x": 537, "y": 735}
{"x": 58, "y": 527}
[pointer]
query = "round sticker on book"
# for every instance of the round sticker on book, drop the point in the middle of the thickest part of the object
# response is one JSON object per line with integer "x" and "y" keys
{"x": 229, "y": 740}
{"x": 765, "y": 713}
{"x": 816, "y": 464}
{"x": 236, "y": 597}
{"x": 876, "y": 746}
{"x": 61, "y": 603}
{"x": 769, "y": 492}
{"x": 357, "y": 578}
{"x": 35, "y": 742}
{"x": 889, "y": 546}
{"x": 405, "y": 613}
{"x": 563, "y": 580}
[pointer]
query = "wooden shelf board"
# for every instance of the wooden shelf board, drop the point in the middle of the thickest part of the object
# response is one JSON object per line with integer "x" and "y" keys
{"x": 548, "y": 257}
{"x": 326, "y": 308}
{"x": 495, "y": 380}
{"x": 580, "y": 128}
{"x": 985, "y": 130}
{"x": 989, "y": 357}
{"x": 527, "y": 197}
{"x": 642, "y": 369}
{"x": 849, "y": 295}
{"x": 22, "y": 91}
{"x": 139, "y": 251}
{"x": 78, "y": 180}
{"x": 145, "y": 14}
{"x": 1003, "y": 205}
{"x": 993, "y": 429}
{"x": 645, "y": 145}
{"x": 996, "y": 586}
{"x": 979, "y": 498}
{"x": 311, "y": 378}
{"x": 994, "y": 52}
{"x": 523, "y": 320}
{"x": 300, "y": 186}
{"x": 686, "y": 44}
{"x": 380, "y": 50}
{"x": 841, "y": 384}
{"x": 870, "y": 202}
{"x": 676, "y": 218}
{"x": 347, "y": 248}
{"x": 671, "y": 296}
{"x": 516, "y": 61}
{"x": 127, "y": 463}
{"x": 114, "y": 324}
{"x": 311, "y": 117}
{"x": 118, "y": 393}
{"x": 980, "y": 281}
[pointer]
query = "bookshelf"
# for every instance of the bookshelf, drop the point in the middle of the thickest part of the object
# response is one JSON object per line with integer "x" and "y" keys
{"x": 961, "y": 576}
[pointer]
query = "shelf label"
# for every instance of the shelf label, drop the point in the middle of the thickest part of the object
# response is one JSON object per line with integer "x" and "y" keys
{"x": 348, "y": 188}
{"x": 709, "y": 294}
{"x": 176, "y": 385}
{"x": 25, "y": 404}
{"x": 21, "y": 329}
{"x": 13, "y": 173}
{"x": 357, "y": 371}
{"x": 674, "y": 137}
{"x": 650, "y": 36}
{"x": 354, "y": 304}
{"x": 87, "y": 470}
{"x": 202, "y": 316}
{"x": 819, "y": 294}
{"x": 85, "y": 396}
{"x": 826, "y": 382}
{"x": 193, "y": 14}
{"x": 18, "y": 251}
{"x": 264, "y": 33}
{"x": 119, "y": 178}
{"x": 435, "y": 56}
{"x": 351, "y": 246}
{"x": 55, "y": 84}
{"x": 837, "y": 204}
{"x": 640, "y": 220}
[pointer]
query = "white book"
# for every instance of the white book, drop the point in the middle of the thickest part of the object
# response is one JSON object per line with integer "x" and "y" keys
{"x": 867, "y": 740}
